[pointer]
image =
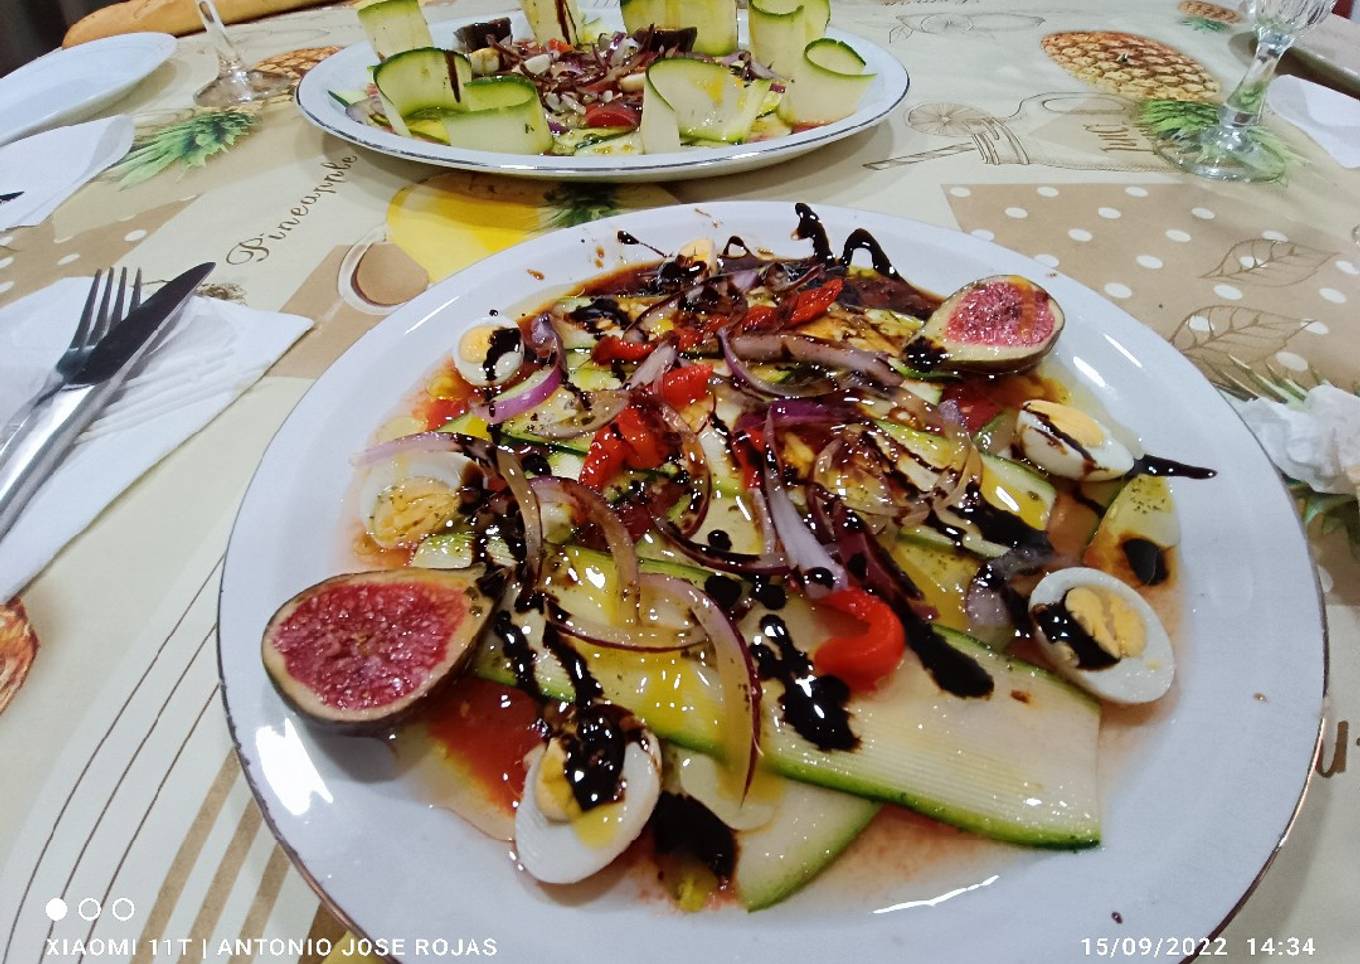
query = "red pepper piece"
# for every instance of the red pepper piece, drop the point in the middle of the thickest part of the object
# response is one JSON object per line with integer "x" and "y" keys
{"x": 865, "y": 658}
{"x": 686, "y": 385}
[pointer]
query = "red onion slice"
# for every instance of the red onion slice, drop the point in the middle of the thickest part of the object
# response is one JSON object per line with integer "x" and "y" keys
{"x": 474, "y": 448}
{"x": 596, "y": 510}
{"x": 749, "y": 379}
{"x": 724, "y": 560}
{"x": 737, "y": 678}
{"x": 604, "y": 406}
{"x": 513, "y": 472}
{"x": 783, "y": 347}
{"x": 807, "y": 555}
{"x": 651, "y": 368}
{"x": 524, "y": 397}
{"x": 696, "y": 467}
{"x": 634, "y": 637}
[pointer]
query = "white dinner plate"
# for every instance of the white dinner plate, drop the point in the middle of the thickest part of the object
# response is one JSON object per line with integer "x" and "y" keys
{"x": 348, "y": 70}
{"x": 70, "y": 85}
{"x": 1197, "y": 794}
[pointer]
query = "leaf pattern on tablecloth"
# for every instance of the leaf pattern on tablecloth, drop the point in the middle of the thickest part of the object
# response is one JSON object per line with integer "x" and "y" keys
{"x": 1260, "y": 261}
{"x": 1216, "y": 335}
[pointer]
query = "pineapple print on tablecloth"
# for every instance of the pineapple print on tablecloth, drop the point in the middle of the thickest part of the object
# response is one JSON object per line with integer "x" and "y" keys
{"x": 185, "y": 143}
{"x": 1131, "y": 65}
{"x": 1208, "y": 16}
{"x": 295, "y": 63}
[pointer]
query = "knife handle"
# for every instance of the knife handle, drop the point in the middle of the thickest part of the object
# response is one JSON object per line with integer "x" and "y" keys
{"x": 39, "y": 442}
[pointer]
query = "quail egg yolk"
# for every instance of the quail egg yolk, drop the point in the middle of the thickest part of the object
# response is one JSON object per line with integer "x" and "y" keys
{"x": 1107, "y": 619}
{"x": 475, "y": 344}
{"x": 408, "y": 511}
{"x": 552, "y": 792}
{"x": 1070, "y": 421}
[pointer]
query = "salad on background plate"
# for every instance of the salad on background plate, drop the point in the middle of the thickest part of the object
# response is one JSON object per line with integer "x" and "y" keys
{"x": 714, "y": 556}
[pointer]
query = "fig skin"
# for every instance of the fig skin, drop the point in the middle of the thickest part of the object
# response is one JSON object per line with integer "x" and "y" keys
{"x": 461, "y": 643}
{"x": 933, "y": 350}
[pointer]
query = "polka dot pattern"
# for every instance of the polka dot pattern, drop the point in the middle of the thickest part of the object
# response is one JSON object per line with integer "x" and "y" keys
{"x": 960, "y": 192}
{"x": 1295, "y": 363}
{"x": 1228, "y": 292}
{"x": 1332, "y": 295}
{"x": 1017, "y": 213}
{"x": 1347, "y": 267}
{"x": 1204, "y": 214}
{"x": 1079, "y": 234}
{"x": 1151, "y": 262}
{"x": 1117, "y": 290}
{"x": 1134, "y": 190}
{"x": 1180, "y": 237}
{"x": 1048, "y": 191}
{"x": 983, "y": 233}
{"x": 1109, "y": 214}
{"x": 1046, "y": 259}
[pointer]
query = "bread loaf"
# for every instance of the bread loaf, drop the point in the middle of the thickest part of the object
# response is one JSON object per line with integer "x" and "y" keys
{"x": 176, "y": 17}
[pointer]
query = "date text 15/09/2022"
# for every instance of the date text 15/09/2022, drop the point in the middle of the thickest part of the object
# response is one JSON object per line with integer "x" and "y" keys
{"x": 1176, "y": 948}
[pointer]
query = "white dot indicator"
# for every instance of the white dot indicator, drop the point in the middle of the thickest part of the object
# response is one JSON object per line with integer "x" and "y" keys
{"x": 1016, "y": 213}
{"x": 68, "y": 258}
{"x": 1316, "y": 327}
{"x": 1046, "y": 259}
{"x": 1048, "y": 191}
{"x": 982, "y": 233}
{"x": 89, "y": 909}
{"x": 1177, "y": 235}
{"x": 136, "y": 235}
{"x": 1345, "y": 266}
{"x": 56, "y": 909}
{"x": 5, "y": 286}
{"x": 1110, "y": 214}
{"x": 1295, "y": 363}
{"x": 1273, "y": 235}
{"x": 1199, "y": 323}
{"x": 1204, "y": 214}
{"x": 1116, "y": 290}
{"x": 1151, "y": 262}
{"x": 1228, "y": 292}
{"x": 960, "y": 192}
{"x": 1332, "y": 295}
{"x": 1135, "y": 191}
{"x": 1079, "y": 234}
{"x": 8, "y": 260}
{"x": 126, "y": 906}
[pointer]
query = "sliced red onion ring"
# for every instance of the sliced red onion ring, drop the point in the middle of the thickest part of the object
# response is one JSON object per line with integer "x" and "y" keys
{"x": 634, "y": 636}
{"x": 820, "y": 573}
{"x": 604, "y": 405}
{"x": 474, "y": 448}
{"x": 737, "y": 677}
{"x": 874, "y": 566}
{"x": 761, "y": 510}
{"x": 513, "y": 472}
{"x": 784, "y": 347}
{"x": 746, "y": 377}
{"x": 596, "y": 510}
{"x": 696, "y": 467}
{"x": 770, "y": 564}
{"x": 651, "y": 368}
{"x": 535, "y": 389}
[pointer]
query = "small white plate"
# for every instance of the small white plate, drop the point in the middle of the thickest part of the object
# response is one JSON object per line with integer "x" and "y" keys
{"x": 70, "y": 85}
{"x": 1198, "y": 792}
{"x": 348, "y": 70}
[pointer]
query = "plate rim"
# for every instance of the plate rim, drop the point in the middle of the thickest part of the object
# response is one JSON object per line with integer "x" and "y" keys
{"x": 563, "y": 168}
{"x": 714, "y": 211}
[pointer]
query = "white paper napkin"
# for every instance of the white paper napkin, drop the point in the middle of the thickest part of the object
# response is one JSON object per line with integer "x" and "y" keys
{"x": 215, "y": 352}
{"x": 1316, "y": 441}
{"x": 47, "y": 168}
{"x": 1327, "y": 116}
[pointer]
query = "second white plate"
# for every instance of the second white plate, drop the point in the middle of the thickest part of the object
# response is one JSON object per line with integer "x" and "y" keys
{"x": 348, "y": 70}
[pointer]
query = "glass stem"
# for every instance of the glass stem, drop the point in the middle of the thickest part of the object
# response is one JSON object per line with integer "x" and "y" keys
{"x": 228, "y": 58}
{"x": 1244, "y": 105}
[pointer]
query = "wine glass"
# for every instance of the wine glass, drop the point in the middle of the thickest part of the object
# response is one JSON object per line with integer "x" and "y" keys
{"x": 1231, "y": 150}
{"x": 235, "y": 83}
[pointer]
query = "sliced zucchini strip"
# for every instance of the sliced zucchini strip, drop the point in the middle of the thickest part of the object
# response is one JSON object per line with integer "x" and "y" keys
{"x": 394, "y": 26}
{"x": 781, "y": 29}
{"x": 827, "y": 84}
{"x": 500, "y": 114}
{"x": 553, "y": 20}
{"x": 715, "y": 20}
{"x": 708, "y": 101}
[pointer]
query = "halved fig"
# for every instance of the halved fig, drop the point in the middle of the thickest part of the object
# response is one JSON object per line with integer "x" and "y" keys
{"x": 359, "y": 651}
{"x": 1005, "y": 323}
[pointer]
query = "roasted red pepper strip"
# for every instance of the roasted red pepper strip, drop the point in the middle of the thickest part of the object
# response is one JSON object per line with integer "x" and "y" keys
{"x": 644, "y": 448}
{"x": 864, "y": 659}
{"x": 686, "y": 385}
{"x": 758, "y": 317}
{"x": 814, "y": 302}
{"x": 748, "y": 449}
{"x": 605, "y": 457}
{"x": 613, "y": 348}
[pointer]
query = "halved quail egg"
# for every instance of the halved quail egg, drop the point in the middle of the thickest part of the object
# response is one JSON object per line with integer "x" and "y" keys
{"x": 1067, "y": 442}
{"x": 410, "y": 496}
{"x": 588, "y": 794}
{"x": 490, "y": 351}
{"x": 1102, "y": 635}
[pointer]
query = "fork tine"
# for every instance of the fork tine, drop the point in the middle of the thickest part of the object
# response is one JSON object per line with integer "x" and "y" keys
{"x": 82, "y": 335}
{"x": 136, "y": 291}
{"x": 101, "y": 320}
{"x": 117, "y": 314}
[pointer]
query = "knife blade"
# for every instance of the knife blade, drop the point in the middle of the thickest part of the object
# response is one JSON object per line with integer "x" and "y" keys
{"x": 139, "y": 328}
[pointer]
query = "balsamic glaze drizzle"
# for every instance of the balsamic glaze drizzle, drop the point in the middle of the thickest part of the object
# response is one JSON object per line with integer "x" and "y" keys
{"x": 813, "y": 705}
{"x": 1061, "y": 628}
{"x": 681, "y": 824}
{"x": 1146, "y": 559}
